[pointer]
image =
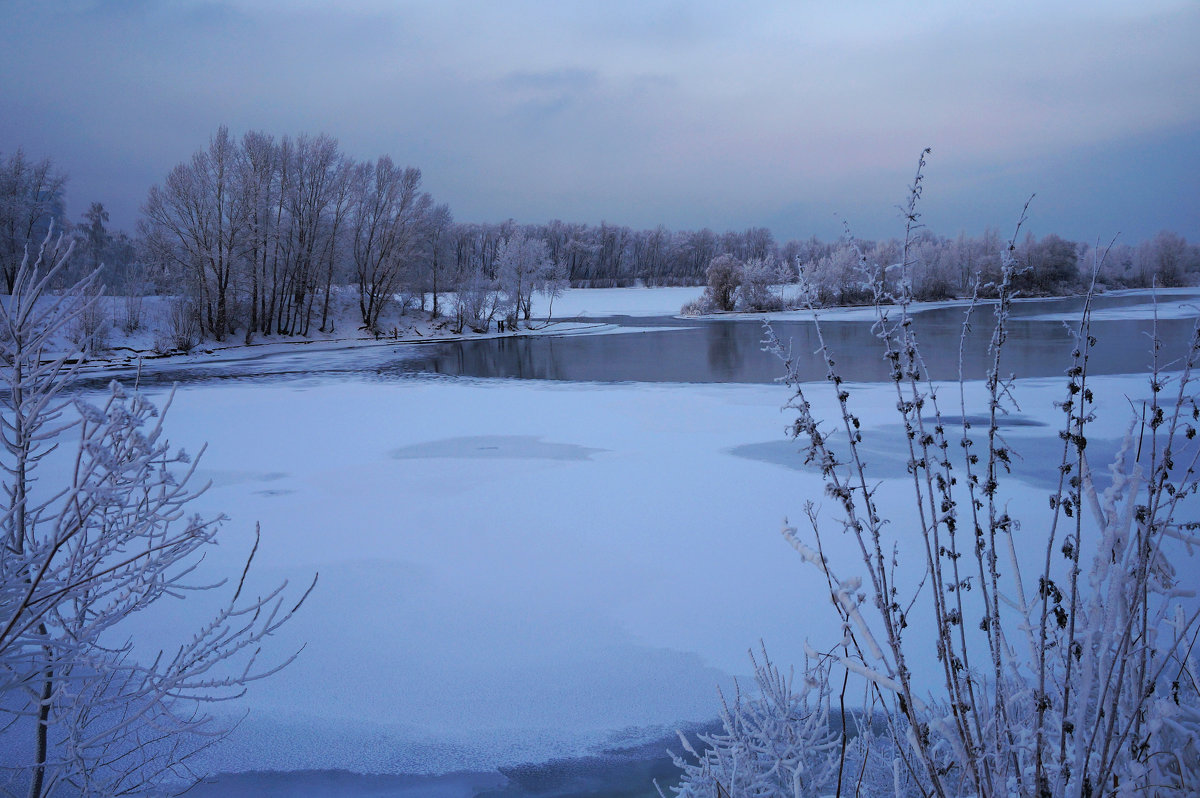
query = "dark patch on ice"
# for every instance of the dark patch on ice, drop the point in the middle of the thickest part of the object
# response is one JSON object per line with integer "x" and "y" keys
{"x": 1035, "y": 458}
{"x": 222, "y": 478}
{"x": 955, "y": 422}
{"x": 489, "y": 447}
{"x": 334, "y": 783}
{"x": 613, "y": 771}
{"x": 619, "y": 772}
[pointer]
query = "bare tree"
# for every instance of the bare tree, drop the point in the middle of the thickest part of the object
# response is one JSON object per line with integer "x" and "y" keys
{"x": 440, "y": 223}
{"x": 520, "y": 265}
{"x": 200, "y": 214}
{"x": 312, "y": 191}
{"x": 82, "y": 711}
{"x": 389, "y": 217}
{"x": 263, "y": 180}
{"x": 31, "y": 194}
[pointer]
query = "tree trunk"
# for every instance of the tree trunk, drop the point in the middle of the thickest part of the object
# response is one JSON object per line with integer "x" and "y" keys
{"x": 43, "y": 724}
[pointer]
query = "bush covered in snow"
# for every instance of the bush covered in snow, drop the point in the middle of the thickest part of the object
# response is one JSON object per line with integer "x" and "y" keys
{"x": 1075, "y": 678}
{"x": 736, "y": 285}
{"x": 97, "y": 529}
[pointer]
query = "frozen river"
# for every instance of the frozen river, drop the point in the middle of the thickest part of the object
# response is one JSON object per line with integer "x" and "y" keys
{"x": 561, "y": 566}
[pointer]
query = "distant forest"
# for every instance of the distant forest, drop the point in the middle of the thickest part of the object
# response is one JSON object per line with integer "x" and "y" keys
{"x": 254, "y": 234}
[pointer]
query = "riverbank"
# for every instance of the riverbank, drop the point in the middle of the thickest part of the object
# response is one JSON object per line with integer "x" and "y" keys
{"x": 583, "y": 311}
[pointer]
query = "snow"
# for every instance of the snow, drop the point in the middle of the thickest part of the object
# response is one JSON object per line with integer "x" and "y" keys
{"x": 598, "y": 303}
{"x": 864, "y": 313}
{"x": 1165, "y": 308}
{"x": 1173, "y": 303}
{"x": 513, "y": 570}
{"x": 133, "y": 353}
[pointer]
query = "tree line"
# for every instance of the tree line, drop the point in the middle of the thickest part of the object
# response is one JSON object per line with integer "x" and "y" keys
{"x": 257, "y": 235}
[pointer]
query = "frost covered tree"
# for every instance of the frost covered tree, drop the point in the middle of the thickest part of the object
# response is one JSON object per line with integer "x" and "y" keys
{"x": 1063, "y": 659}
{"x": 757, "y": 289}
{"x": 1167, "y": 260}
{"x": 31, "y": 194}
{"x": 197, "y": 221}
{"x": 723, "y": 276}
{"x": 522, "y": 263}
{"x": 553, "y": 283}
{"x": 473, "y": 250}
{"x": 95, "y": 234}
{"x": 833, "y": 277}
{"x": 1048, "y": 266}
{"x": 437, "y": 258}
{"x": 317, "y": 200}
{"x": 95, "y": 530}
{"x": 476, "y": 302}
{"x": 388, "y": 220}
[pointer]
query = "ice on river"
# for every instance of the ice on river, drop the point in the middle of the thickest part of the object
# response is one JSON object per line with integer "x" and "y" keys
{"x": 516, "y": 570}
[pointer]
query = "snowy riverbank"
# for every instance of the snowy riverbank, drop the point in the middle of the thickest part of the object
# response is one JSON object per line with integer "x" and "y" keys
{"x": 143, "y": 349}
{"x": 588, "y": 309}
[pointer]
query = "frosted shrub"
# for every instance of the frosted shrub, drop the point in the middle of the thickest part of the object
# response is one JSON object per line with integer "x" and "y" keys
{"x": 757, "y": 289}
{"x": 179, "y": 330}
{"x": 88, "y": 332}
{"x": 476, "y": 304}
{"x": 131, "y": 317}
{"x": 723, "y": 276}
{"x": 835, "y": 278}
{"x": 97, "y": 528}
{"x": 1076, "y": 679}
{"x": 777, "y": 743}
{"x": 697, "y": 307}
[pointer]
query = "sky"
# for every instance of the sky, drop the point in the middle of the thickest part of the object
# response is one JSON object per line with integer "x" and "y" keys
{"x": 798, "y": 116}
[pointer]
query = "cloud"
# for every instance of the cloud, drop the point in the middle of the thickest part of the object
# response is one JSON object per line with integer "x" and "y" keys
{"x": 637, "y": 112}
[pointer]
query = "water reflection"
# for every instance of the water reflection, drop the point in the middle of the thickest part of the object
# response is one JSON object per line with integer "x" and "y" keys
{"x": 732, "y": 351}
{"x": 670, "y": 350}
{"x": 725, "y": 354}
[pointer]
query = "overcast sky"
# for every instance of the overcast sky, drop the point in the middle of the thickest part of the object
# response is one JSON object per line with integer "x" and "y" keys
{"x": 790, "y": 115}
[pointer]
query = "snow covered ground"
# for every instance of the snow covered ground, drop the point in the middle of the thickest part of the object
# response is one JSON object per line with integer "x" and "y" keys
{"x": 597, "y": 303}
{"x": 512, "y": 571}
{"x": 144, "y": 348}
{"x": 1166, "y": 307}
{"x": 138, "y": 349}
{"x": 515, "y": 570}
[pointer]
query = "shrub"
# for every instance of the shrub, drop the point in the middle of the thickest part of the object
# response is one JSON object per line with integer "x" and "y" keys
{"x": 1077, "y": 679}
{"x": 723, "y": 275}
{"x": 180, "y": 330}
{"x": 88, "y": 331}
{"x": 697, "y": 307}
{"x": 757, "y": 290}
{"x": 86, "y": 544}
{"x": 778, "y": 743}
{"x": 131, "y": 318}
